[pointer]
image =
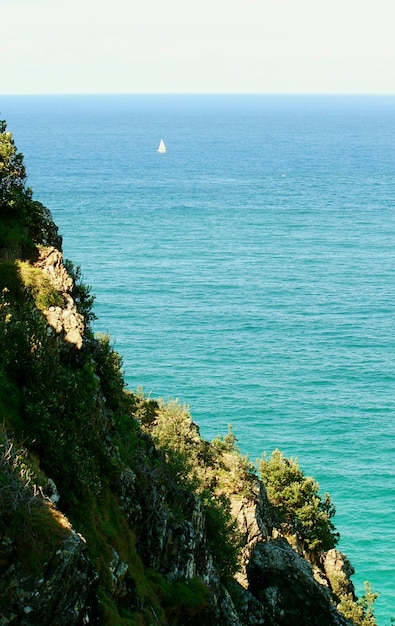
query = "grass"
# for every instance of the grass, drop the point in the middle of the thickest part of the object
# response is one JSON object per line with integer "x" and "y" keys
{"x": 30, "y": 521}
{"x": 39, "y": 286}
{"x": 180, "y": 599}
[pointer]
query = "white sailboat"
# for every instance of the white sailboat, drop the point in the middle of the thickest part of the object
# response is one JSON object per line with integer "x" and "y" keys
{"x": 162, "y": 148}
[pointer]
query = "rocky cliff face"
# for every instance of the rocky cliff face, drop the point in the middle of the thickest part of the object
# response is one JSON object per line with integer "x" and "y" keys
{"x": 64, "y": 592}
{"x": 274, "y": 586}
{"x": 64, "y": 320}
{"x": 113, "y": 510}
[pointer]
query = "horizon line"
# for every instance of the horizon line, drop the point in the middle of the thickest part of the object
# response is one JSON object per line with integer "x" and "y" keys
{"x": 201, "y": 93}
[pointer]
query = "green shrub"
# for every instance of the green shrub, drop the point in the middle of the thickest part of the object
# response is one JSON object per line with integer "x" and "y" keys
{"x": 39, "y": 286}
{"x": 108, "y": 367}
{"x": 81, "y": 293}
{"x": 360, "y": 611}
{"x": 295, "y": 497}
{"x": 223, "y": 536}
{"x": 25, "y": 516}
{"x": 51, "y": 393}
{"x": 182, "y": 599}
{"x": 227, "y": 443}
{"x": 12, "y": 172}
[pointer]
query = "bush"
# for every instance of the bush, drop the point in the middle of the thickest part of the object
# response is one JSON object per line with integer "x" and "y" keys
{"x": 300, "y": 509}
{"x": 179, "y": 599}
{"x": 12, "y": 171}
{"x": 24, "y": 222}
{"x": 223, "y": 536}
{"x": 25, "y": 514}
{"x": 81, "y": 293}
{"x": 108, "y": 367}
{"x": 359, "y": 611}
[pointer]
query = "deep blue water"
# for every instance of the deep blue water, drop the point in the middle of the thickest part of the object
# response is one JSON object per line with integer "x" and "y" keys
{"x": 249, "y": 272}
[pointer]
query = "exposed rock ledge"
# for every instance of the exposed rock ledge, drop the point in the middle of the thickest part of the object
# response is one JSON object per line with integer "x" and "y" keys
{"x": 65, "y": 321}
{"x": 284, "y": 583}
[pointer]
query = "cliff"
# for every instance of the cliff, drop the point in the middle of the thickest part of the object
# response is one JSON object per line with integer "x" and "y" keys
{"x": 113, "y": 509}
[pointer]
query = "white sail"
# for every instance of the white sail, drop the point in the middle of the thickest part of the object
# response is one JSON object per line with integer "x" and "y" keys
{"x": 162, "y": 148}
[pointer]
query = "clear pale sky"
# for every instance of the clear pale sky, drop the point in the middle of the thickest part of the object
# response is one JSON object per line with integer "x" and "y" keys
{"x": 204, "y": 46}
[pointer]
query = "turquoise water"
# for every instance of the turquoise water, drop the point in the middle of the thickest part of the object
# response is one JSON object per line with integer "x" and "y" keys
{"x": 249, "y": 272}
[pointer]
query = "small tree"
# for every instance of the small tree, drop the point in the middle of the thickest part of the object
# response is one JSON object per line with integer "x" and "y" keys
{"x": 12, "y": 170}
{"x": 24, "y": 222}
{"x": 295, "y": 497}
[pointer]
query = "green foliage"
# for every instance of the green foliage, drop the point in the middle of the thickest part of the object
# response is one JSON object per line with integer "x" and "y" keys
{"x": 24, "y": 222}
{"x": 11, "y": 287}
{"x": 228, "y": 443}
{"x": 51, "y": 394}
{"x": 17, "y": 487}
{"x": 25, "y": 516}
{"x": 179, "y": 599}
{"x": 360, "y": 611}
{"x": 142, "y": 407}
{"x": 174, "y": 434}
{"x": 105, "y": 528}
{"x": 14, "y": 197}
{"x": 39, "y": 286}
{"x": 223, "y": 537}
{"x": 12, "y": 171}
{"x": 108, "y": 367}
{"x": 300, "y": 509}
{"x": 212, "y": 472}
{"x": 81, "y": 293}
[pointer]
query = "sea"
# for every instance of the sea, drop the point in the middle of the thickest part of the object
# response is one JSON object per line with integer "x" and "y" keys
{"x": 249, "y": 272}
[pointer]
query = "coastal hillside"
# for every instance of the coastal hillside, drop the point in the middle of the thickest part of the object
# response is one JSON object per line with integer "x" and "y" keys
{"x": 113, "y": 509}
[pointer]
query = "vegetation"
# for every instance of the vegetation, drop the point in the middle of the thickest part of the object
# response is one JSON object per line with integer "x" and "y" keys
{"x": 81, "y": 293}
{"x": 24, "y": 222}
{"x": 39, "y": 286}
{"x": 299, "y": 509}
{"x": 26, "y": 515}
{"x": 360, "y": 611}
{"x": 78, "y": 424}
{"x": 12, "y": 177}
{"x": 182, "y": 599}
{"x": 301, "y": 513}
{"x": 204, "y": 469}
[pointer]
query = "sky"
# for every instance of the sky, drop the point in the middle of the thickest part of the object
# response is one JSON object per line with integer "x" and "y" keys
{"x": 204, "y": 46}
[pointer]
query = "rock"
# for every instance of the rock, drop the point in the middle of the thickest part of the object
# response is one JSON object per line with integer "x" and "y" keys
{"x": 284, "y": 583}
{"x": 253, "y": 519}
{"x": 64, "y": 593}
{"x": 51, "y": 492}
{"x": 50, "y": 260}
{"x": 65, "y": 321}
{"x": 338, "y": 570}
{"x": 54, "y": 318}
{"x": 118, "y": 571}
{"x": 178, "y": 548}
{"x": 251, "y": 611}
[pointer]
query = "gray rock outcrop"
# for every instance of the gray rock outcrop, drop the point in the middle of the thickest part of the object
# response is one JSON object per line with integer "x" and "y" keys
{"x": 284, "y": 583}
{"x": 63, "y": 593}
{"x": 65, "y": 321}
